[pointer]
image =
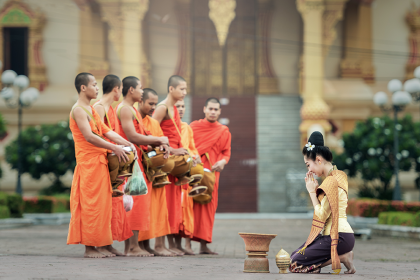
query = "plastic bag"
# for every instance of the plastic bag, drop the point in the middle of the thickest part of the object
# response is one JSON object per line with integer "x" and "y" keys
{"x": 128, "y": 202}
{"x": 136, "y": 185}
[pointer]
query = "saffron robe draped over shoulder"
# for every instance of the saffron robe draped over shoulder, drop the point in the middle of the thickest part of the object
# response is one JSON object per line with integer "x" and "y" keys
{"x": 159, "y": 223}
{"x": 173, "y": 193}
{"x": 139, "y": 216}
{"x": 119, "y": 224}
{"x": 91, "y": 191}
{"x": 214, "y": 139}
{"x": 187, "y": 203}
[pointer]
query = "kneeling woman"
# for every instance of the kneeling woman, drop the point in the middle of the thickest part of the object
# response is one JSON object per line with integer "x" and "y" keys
{"x": 331, "y": 239}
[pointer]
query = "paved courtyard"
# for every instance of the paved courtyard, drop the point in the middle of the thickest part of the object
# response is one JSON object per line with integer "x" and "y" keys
{"x": 40, "y": 252}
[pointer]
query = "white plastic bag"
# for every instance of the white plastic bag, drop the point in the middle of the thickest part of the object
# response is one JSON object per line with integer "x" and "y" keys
{"x": 128, "y": 202}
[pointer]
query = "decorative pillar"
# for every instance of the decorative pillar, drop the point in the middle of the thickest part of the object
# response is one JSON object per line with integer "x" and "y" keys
{"x": 133, "y": 12}
{"x": 413, "y": 19}
{"x": 125, "y": 21}
{"x": 267, "y": 80}
{"x": 314, "y": 110}
{"x": 93, "y": 58}
{"x": 357, "y": 62}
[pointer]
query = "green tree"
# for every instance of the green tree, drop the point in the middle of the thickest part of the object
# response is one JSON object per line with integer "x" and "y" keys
{"x": 46, "y": 149}
{"x": 369, "y": 152}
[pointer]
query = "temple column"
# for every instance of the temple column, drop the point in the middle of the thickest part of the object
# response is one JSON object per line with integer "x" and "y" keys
{"x": 314, "y": 111}
{"x": 183, "y": 14}
{"x": 413, "y": 19}
{"x": 133, "y": 56}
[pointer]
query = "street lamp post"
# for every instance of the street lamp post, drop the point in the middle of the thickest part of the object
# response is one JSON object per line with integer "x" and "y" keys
{"x": 400, "y": 99}
{"x": 25, "y": 97}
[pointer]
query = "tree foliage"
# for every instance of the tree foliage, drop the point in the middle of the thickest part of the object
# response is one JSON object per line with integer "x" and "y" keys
{"x": 46, "y": 149}
{"x": 369, "y": 152}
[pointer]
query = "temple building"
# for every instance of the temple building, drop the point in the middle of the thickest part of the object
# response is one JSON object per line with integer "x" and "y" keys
{"x": 282, "y": 69}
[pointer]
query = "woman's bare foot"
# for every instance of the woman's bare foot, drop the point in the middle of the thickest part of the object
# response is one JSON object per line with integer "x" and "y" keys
{"x": 103, "y": 250}
{"x": 348, "y": 263}
{"x": 91, "y": 252}
{"x": 114, "y": 251}
{"x": 163, "y": 252}
{"x": 138, "y": 252}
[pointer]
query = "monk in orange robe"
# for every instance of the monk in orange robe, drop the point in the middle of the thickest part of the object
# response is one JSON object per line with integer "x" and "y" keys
{"x": 167, "y": 115}
{"x": 121, "y": 231}
{"x": 91, "y": 191}
{"x": 159, "y": 223}
{"x": 187, "y": 226}
{"x": 213, "y": 138}
{"x": 131, "y": 128}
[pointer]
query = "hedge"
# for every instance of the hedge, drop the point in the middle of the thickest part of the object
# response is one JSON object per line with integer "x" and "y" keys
{"x": 399, "y": 218}
{"x": 373, "y": 207}
{"x": 47, "y": 204}
{"x": 15, "y": 204}
{"x": 4, "y": 212}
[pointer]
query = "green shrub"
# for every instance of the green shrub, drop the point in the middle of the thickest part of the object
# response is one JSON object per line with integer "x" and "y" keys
{"x": 15, "y": 204}
{"x": 38, "y": 205}
{"x": 397, "y": 218}
{"x": 4, "y": 212}
{"x": 383, "y": 218}
{"x": 3, "y": 199}
{"x": 416, "y": 222}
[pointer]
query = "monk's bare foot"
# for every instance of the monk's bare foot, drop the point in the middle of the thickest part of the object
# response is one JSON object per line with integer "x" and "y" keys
{"x": 103, "y": 250}
{"x": 185, "y": 251}
{"x": 188, "y": 251}
{"x": 138, "y": 252}
{"x": 115, "y": 251}
{"x": 163, "y": 252}
{"x": 91, "y": 252}
{"x": 176, "y": 251}
{"x": 348, "y": 263}
{"x": 207, "y": 251}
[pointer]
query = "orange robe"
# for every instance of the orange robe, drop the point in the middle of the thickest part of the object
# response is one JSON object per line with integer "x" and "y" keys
{"x": 91, "y": 191}
{"x": 212, "y": 138}
{"x": 139, "y": 216}
{"x": 159, "y": 223}
{"x": 119, "y": 224}
{"x": 173, "y": 193}
{"x": 187, "y": 203}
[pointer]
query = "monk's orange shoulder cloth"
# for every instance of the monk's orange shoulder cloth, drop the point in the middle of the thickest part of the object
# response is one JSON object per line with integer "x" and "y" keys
{"x": 336, "y": 179}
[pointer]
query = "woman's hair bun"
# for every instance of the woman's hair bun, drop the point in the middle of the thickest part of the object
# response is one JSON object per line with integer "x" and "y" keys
{"x": 315, "y": 147}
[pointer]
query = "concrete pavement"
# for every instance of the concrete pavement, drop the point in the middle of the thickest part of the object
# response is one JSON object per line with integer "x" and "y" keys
{"x": 40, "y": 252}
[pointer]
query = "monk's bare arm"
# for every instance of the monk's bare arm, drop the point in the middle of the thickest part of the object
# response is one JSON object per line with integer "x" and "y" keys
{"x": 101, "y": 111}
{"x": 160, "y": 113}
{"x": 82, "y": 122}
{"x": 132, "y": 135}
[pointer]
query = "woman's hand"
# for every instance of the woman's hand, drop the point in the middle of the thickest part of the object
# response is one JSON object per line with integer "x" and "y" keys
{"x": 311, "y": 183}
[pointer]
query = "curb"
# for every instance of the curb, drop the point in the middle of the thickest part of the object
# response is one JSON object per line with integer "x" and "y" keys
{"x": 396, "y": 231}
{"x": 15, "y": 223}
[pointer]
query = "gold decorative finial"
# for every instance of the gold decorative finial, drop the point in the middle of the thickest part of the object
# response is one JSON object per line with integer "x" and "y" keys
{"x": 222, "y": 13}
{"x": 283, "y": 261}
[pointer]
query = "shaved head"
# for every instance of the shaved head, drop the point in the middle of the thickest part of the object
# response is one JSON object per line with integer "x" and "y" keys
{"x": 174, "y": 81}
{"x": 148, "y": 91}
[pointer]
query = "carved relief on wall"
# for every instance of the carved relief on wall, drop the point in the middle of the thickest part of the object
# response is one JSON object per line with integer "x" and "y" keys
{"x": 18, "y": 14}
{"x": 229, "y": 68}
{"x": 222, "y": 13}
{"x": 413, "y": 19}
